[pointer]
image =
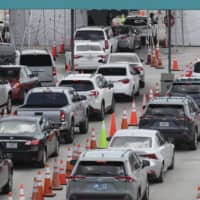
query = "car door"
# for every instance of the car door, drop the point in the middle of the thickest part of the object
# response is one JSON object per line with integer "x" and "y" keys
{"x": 33, "y": 80}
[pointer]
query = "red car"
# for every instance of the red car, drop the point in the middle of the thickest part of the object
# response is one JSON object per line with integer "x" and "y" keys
{"x": 20, "y": 78}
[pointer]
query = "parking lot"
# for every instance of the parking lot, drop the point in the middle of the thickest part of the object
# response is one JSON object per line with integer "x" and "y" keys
{"x": 180, "y": 183}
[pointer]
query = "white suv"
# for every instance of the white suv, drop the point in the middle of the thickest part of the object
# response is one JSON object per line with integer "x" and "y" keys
{"x": 98, "y": 91}
{"x": 103, "y": 35}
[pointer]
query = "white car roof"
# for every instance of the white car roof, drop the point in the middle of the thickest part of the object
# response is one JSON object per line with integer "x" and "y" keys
{"x": 80, "y": 77}
{"x": 50, "y": 89}
{"x": 114, "y": 65}
{"x": 90, "y": 28}
{"x": 34, "y": 51}
{"x": 123, "y": 54}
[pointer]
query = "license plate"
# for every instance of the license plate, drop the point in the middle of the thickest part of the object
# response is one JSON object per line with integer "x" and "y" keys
{"x": 11, "y": 145}
{"x": 100, "y": 187}
{"x": 164, "y": 124}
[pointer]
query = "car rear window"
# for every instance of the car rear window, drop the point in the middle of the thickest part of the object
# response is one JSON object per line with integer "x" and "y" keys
{"x": 89, "y": 35}
{"x": 88, "y": 48}
{"x": 46, "y": 99}
{"x": 123, "y": 58}
{"x": 36, "y": 60}
{"x": 78, "y": 85}
{"x": 197, "y": 67}
{"x": 100, "y": 168}
{"x": 172, "y": 110}
{"x": 136, "y": 142}
{"x": 17, "y": 127}
{"x": 186, "y": 88}
{"x": 112, "y": 71}
{"x": 139, "y": 21}
{"x": 9, "y": 73}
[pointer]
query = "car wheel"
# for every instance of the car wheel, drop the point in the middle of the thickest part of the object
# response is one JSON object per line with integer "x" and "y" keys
{"x": 194, "y": 143}
{"x": 9, "y": 104}
{"x": 102, "y": 112}
{"x": 112, "y": 108}
{"x": 160, "y": 179}
{"x": 57, "y": 148}
{"x": 8, "y": 187}
{"x": 146, "y": 194}
{"x": 84, "y": 126}
{"x": 43, "y": 160}
{"x": 172, "y": 162}
{"x": 69, "y": 137}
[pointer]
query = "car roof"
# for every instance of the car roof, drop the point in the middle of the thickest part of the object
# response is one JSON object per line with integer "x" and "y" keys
{"x": 12, "y": 66}
{"x": 80, "y": 76}
{"x": 90, "y": 28}
{"x": 169, "y": 100}
{"x": 34, "y": 51}
{"x": 123, "y": 54}
{"x": 135, "y": 132}
{"x": 106, "y": 155}
{"x": 51, "y": 89}
{"x": 114, "y": 65}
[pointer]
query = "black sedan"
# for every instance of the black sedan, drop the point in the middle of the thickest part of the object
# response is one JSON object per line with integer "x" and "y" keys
{"x": 28, "y": 139}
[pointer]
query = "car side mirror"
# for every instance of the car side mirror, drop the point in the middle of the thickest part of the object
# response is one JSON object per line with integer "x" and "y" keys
{"x": 145, "y": 163}
{"x": 110, "y": 85}
{"x": 142, "y": 60}
{"x": 82, "y": 97}
{"x": 108, "y": 139}
{"x": 101, "y": 61}
{"x": 73, "y": 162}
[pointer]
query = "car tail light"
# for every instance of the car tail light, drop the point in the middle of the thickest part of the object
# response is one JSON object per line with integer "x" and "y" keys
{"x": 17, "y": 85}
{"x": 32, "y": 142}
{"x": 62, "y": 116}
{"x": 151, "y": 156}
{"x": 125, "y": 81}
{"x": 184, "y": 117}
{"x": 125, "y": 178}
{"x": 94, "y": 93}
{"x": 106, "y": 44}
{"x": 77, "y": 56}
{"x": 15, "y": 113}
{"x": 75, "y": 178}
{"x": 54, "y": 71}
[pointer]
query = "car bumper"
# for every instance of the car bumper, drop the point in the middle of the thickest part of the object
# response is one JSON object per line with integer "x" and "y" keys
{"x": 124, "y": 89}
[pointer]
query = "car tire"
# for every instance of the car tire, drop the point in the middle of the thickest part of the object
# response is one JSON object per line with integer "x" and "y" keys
{"x": 146, "y": 194}
{"x": 83, "y": 127}
{"x": 102, "y": 112}
{"x": 43, "y": 160}
{"x": 112, "y": 108}
{"x": 8, "y": 187}
{"x": 9, "y": 104}
{"x": 142, "y": 84}
{"x": 160, "y": 179}
{"x": 172, "y": 162}
{"x": 194, "y": 143}
{"x": 57, "y": 148}
{"x": 69, "y": 137}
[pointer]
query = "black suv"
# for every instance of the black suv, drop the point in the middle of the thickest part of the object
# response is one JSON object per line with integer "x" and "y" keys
{"x": 186, "y": 86}
{"x": 177, "y": 119}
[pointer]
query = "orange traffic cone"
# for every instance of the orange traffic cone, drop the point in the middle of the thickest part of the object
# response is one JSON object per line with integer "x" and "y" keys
{"x": 154, "y": 61}
{"x": 39, "y": 186}
{"x": 124, "y": 123}
{"x": 69, "y": 166}
{"x": 56, "y": 178}
{"x": 148, "y": 62}
{"x": 21, "y": 192}
{"x": 175, "y": 66}
{"x": 87, "y": 146}
{"x": 68, "y": 67}
{"x": 160, "y": 64}
{"x": 113, "y": 126}
{"x": 198, "y": 192}
{"x": 48, "y": 192}
{"x": 157, "y": 51}
{"x": 62, "y": 173}
{"x": 144, "y": 102}
{"x": 93, "y": 143}
{"x": 10, "y": 196}
{"x": 165, "y": 43}
{"x": 150, "y": 98}
{"x": 35, "y": 190}
{"x": 62, "y": 46}
{"x": 133, "y": 118}
{"x": 54, "y": 50}
{"x": 142, "y": 13}
{"x": 157, "y": 90}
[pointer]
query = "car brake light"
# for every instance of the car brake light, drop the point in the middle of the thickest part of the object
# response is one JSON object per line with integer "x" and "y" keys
{"x": 75, "y": 178}
{"x": 77, "y": 56}
{"x": 125, "y": 81}
{"x": 15, "y": 112}
{"x": 183, "y": 118}
{"x": 94, "y": 93}
{"x": 32, "y": 142}
{"x": 151, "y": 156}
{"x": 125, "y": 178}
{"x": 54, "y": 71}
{"x": 62, "y": 116}
{"x": 106, "y": 44}
{"x": 16, "y": 85}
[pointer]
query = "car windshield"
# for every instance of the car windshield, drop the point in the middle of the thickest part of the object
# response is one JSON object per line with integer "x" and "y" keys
{"x": 100, "y": 168}
{"x": 123, "y": 58}
{"x": 46, "y": 99}
{"x": 172, "y": 110}
{"x": 35, "y": 60}
{"x": 16, "y": 127}
{"x": 9, "y": 73}
{"x": 89, "y": 35}
{"x": 78, "y": 85}
{"x": 137, "y": 21}
{"x": 186, "y": 88}
{"x": 133, "y": 141}
{"x": 197, "y": 67}
{"x": 88, "y": 48}
{"x": 112, "y": 71}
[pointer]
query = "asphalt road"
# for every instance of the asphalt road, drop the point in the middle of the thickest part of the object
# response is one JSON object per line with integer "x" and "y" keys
{"x": 179, "y": 184}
